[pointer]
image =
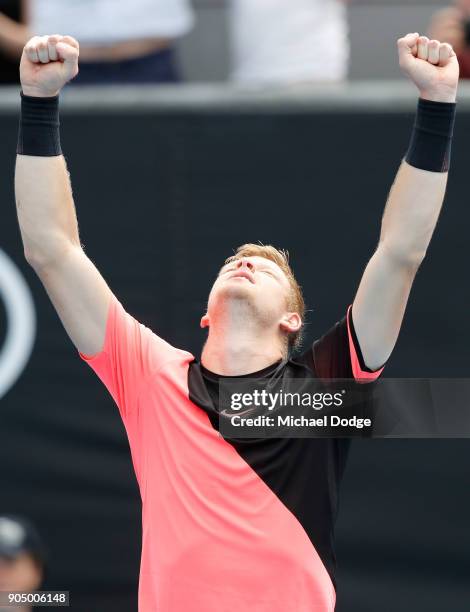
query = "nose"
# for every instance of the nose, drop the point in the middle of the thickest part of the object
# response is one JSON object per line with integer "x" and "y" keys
{"x": 245, "y": 263}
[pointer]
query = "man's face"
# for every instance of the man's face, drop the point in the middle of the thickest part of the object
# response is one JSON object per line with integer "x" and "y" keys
{"x": 255, "y": 282}
{"x": 19, "y": 574}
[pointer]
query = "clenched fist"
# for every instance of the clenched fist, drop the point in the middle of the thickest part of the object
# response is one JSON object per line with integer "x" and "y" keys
{"x": 47, "y": 64}
{"x": 431, "y": 65}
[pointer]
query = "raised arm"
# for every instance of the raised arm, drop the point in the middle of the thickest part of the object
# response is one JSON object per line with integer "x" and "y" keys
{"x": 45, "y": 207}
{"x": 414, "y": 202}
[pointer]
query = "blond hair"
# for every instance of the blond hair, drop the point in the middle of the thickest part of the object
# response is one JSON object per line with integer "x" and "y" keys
{"x": 295, "y": 300}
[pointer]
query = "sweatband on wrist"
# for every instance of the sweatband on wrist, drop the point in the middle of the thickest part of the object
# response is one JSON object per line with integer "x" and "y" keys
{"x": 38, "y": 133}
{"x": 431, "y": 140}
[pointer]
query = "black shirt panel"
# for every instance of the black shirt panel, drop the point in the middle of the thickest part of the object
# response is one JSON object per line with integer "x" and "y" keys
{"x": 304, "y": 473}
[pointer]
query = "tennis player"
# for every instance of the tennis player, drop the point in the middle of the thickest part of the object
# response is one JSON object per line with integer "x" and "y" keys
{"x": 248, "y": 525}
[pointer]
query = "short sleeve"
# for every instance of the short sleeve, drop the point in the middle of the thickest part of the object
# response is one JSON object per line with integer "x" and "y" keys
{"x": 337, "y": 354}
{"x": 131, "y": 354}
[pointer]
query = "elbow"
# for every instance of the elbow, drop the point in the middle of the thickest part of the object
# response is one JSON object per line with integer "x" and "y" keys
{"x": 36, "y": 259}
{"x": 403, "y": 255}
{"x": 40, "y": 258}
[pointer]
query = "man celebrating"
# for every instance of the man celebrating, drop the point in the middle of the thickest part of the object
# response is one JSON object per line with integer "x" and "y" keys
{"x": 227, "y": 525}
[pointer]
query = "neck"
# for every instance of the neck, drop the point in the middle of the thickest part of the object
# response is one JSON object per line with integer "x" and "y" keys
{"x": 236, "y": 345}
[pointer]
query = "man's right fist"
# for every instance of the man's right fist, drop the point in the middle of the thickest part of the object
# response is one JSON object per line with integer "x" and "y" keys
{"x": 47, "y": 64}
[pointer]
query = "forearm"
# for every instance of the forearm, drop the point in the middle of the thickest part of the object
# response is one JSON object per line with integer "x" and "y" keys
{"x": 417, "y": 194}
{"x": 411, "y": 213}
{"x": 45, "y": 207}
{"x": 13, "y": 36}
{"x": 44, "y": 201}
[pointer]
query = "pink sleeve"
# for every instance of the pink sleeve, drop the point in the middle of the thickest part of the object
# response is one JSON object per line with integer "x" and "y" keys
{"x": 130, "y": 356}
{"x": 360, "y": 372}
{"x": 131, "y": 353}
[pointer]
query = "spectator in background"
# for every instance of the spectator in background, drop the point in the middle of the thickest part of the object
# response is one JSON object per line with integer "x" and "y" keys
{"x": 289, "y": 41}
{"x": 128, "y": 41}
{"x": 22, "y": 558}
{"x": 13, "y": 37}
{"x": 452, "y": 25}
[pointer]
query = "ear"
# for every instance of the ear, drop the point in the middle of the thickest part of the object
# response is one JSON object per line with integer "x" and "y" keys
{"x": 291, "y": 322}
{"x": 205, "y": 321}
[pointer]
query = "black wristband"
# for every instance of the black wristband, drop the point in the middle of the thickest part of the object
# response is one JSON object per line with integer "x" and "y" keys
{"x": 38, "y": 133}
{"x": 431, "y": 140}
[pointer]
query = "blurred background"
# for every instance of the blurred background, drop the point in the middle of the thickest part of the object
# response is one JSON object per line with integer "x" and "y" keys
{"x": 220, "y": 40}
{"x": 194, "y": 128}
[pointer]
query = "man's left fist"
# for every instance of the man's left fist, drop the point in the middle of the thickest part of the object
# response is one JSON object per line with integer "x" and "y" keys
{"x": 431, "y": 65}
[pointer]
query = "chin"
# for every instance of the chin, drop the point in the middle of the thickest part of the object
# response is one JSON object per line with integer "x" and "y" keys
{"x": 238, "y": 288}
{"x": 233, "y": 292}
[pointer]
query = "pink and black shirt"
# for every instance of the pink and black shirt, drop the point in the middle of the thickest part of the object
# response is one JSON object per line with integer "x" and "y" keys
{"x": 245, "y": 525}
